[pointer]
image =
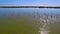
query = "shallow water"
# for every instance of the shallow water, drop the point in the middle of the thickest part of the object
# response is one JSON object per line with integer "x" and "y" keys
{"x": 29, "y": 21}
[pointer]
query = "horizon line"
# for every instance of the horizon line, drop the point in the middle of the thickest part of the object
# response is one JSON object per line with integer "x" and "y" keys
{"x": 29, "y": 6}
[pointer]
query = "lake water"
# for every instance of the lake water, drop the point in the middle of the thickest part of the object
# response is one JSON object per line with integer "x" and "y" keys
{"x": 29, "y": 21}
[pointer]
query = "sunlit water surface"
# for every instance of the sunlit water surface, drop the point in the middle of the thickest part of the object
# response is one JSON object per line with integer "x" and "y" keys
{"x": 29, "y": 21}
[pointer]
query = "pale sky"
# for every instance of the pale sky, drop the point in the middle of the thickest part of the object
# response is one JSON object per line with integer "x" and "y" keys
{"x": 30, "y": 2}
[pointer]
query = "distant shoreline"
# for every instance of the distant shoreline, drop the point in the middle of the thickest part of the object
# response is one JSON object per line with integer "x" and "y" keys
{"x": 29, "y": 6}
